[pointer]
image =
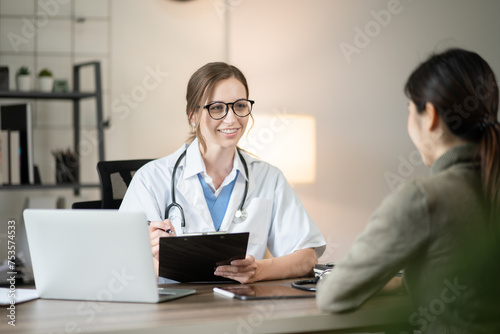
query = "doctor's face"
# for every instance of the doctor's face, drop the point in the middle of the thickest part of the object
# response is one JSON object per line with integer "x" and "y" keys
{"x": 225, "y": 132}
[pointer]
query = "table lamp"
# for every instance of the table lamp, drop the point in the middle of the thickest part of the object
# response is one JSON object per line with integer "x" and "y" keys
{"x": 287, "y": 141}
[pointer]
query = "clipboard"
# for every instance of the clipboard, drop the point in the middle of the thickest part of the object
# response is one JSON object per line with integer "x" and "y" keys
{"x": 193, "y": 258}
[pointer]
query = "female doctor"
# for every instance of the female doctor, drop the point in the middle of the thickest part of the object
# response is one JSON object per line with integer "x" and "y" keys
{"x": 214, "y": 186}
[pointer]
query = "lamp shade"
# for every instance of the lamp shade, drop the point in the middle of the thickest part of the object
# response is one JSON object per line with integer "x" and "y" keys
{"x": 285, "y": 141}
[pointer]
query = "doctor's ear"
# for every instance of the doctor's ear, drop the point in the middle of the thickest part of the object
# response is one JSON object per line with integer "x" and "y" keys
{"x": 192, "y": 122}
{"x": 192, "y": 119}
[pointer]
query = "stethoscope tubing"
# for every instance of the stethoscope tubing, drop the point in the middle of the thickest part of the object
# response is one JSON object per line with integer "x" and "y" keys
{"x": 172, "y": 191}
{"x": 174, "y": 203}
{"x": 245, "y": 167}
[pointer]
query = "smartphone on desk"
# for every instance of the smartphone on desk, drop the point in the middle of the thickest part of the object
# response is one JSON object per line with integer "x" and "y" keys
{"x": 249, "y": 292}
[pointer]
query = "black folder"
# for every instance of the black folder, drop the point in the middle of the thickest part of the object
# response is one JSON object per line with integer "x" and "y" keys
{"x": 194, "y": 258}
{"x": 18, "y": 117}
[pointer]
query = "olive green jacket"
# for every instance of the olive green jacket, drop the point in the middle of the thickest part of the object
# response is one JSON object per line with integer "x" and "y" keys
{"x": 436, "y": 230}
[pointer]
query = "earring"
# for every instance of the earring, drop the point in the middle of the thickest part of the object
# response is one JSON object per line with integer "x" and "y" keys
{"x": 193, "y": 125}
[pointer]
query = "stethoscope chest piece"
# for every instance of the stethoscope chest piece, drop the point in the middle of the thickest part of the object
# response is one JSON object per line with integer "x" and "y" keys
{"x": 240, "y": 216}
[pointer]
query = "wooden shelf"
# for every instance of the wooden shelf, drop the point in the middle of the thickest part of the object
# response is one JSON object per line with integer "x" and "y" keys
{"x": 74, "y": 96}
{"x": 73, "y": 186}
{"x": 46, "y": 95}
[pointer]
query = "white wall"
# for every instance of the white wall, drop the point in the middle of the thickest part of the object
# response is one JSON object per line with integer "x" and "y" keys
{"x": 172, "y": 39}
{"x": 290, "y": 52}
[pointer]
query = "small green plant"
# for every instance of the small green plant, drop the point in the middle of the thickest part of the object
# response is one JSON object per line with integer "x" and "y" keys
{"x": 23, "y": 70}
{"x": 45, "y": 73}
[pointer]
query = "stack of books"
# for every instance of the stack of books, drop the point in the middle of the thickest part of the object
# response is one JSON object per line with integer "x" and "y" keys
{"x": 16, "y": 145}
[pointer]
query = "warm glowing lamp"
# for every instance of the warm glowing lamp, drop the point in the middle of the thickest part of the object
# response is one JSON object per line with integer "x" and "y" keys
{"x": 285, "y": 141}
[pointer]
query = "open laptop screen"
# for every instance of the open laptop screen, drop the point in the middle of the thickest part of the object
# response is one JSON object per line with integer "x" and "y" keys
{"x": 102, "y": 255}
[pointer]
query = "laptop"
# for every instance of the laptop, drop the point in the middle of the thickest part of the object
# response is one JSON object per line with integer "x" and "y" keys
{"x": 98, "y": 255}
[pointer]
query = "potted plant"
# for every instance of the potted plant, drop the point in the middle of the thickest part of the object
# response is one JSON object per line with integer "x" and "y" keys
{"x": 45, "y": 80}
{"x": 23, "y": 79}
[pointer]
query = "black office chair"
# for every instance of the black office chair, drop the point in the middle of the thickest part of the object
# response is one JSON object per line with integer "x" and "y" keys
{"x": 115, "y": 178}
{"x": 87, "y": 205}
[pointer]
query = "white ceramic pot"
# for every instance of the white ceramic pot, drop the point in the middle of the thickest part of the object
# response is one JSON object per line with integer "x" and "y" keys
{"x": 23, "y": 83}
{"x": 46, "y": 84}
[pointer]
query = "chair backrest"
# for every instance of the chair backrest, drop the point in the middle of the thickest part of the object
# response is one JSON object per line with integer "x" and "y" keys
{"x": 87, "y": 205}
{"x": 115, "y": 178}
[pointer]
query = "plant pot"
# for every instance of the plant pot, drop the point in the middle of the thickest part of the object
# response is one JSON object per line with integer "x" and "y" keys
{"x": 45, "y": 84}
{"x": 23, "y": 83}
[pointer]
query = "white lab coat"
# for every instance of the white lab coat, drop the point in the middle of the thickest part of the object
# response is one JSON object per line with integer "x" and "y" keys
{"x": 276, "y": 217}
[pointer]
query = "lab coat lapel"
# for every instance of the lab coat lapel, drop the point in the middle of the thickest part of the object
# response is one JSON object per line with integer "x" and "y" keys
{"x": 190, "y": 188}
{"x": 192, "y": 193}
{"x": 238, "y": 193}
{"x": 252, "y": 185}
{"x": 234, "y": 203}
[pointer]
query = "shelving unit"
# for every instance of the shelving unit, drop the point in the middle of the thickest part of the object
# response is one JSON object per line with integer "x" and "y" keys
{"x": 76, "y": 96}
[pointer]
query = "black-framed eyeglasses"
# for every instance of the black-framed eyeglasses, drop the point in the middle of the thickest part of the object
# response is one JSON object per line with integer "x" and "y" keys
{"x": 219, "y": 110}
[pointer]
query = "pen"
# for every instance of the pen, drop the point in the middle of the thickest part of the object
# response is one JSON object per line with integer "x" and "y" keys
{"x": 224, "y": 293}
{"x": 169, "y": 231}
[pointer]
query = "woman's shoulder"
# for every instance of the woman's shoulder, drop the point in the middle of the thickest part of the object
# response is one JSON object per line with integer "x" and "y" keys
{"x": 455, "y": 177}
{"x": 411, "y": 191}
{"x": 444, "y": 190}
{"x": 460, "y": 180}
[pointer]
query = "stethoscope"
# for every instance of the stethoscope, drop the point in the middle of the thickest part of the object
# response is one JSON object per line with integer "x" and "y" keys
{"x": 241, "y": 214}
{"x": 310, "y": 284}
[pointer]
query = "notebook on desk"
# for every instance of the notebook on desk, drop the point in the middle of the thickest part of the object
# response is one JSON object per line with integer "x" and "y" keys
{"x": 102, "y": 255}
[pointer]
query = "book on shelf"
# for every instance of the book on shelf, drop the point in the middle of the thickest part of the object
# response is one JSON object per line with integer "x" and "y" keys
{"x": 4, "y": 160}
{"x": 10, "y": 157}
{"x": 18, "y": 118}
{"x": 15, "y": 157}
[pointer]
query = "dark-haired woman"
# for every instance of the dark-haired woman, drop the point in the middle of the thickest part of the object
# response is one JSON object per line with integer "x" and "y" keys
{"x": 442, "y": 230}
{"x": 213, "y": 179}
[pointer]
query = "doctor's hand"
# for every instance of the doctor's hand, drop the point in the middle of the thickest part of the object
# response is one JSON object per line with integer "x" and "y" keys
{"x": 243, "y": 271}
{"x": 158, "y": 230}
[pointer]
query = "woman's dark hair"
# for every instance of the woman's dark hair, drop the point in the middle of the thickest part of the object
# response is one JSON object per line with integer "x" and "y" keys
{"x": 463, "y": 89}
{"x": 201, "y": 86}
